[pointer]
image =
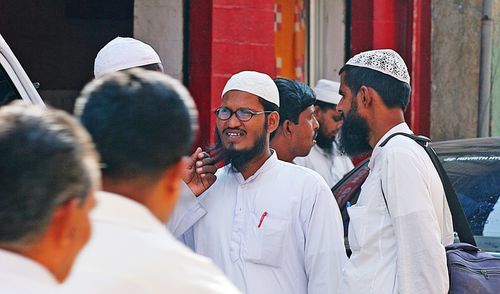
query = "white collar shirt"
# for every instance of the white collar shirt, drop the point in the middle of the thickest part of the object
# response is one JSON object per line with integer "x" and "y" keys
{"x": 19, "y": 274}
{"x": 398, "y": 247}
{"x": 279, "y": 231}
{"x": 130, "y": 251}
{"x": 331, "y": 166}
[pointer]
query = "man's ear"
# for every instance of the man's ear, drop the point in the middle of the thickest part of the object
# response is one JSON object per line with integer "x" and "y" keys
{"x": 366, "y": 96}
{"x": 172, "y": 176}
{"x": 273, "y": 120}
{"x": 62, "y": 227}
{"x": 287, "y": 127}
{"x": 317, "y": 111}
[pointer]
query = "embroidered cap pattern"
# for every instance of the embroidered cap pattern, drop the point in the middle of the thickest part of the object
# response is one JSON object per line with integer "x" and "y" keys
{"x": 386, "y": 61}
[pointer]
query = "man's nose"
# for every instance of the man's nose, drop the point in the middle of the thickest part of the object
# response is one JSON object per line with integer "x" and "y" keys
{"x": 233, "y": 121}
{"x": 340, "y": 106}
{"x": 315, "y": 123}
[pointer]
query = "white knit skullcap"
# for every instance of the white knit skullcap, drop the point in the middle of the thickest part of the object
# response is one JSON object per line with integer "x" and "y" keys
{"x": 123, "y": 53}
{"x": 327, "y": 91}
{"x": 386, "y": 61}
{"x": 255, "y": 83}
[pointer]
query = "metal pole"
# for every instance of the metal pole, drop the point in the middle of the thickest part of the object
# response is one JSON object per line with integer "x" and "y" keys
{"x": 483, "y": 121}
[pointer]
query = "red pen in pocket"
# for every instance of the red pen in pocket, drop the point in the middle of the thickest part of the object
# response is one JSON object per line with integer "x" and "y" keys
{"x": 262, "y": 219}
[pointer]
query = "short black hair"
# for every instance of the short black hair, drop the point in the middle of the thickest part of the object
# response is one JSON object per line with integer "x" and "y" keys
{"x": 268, "y": 106}
{"x": 46, "y": 159}
{"x": 153, "y": 66}
{"x": 141, "y": 121}
{"x": 394, "y": 93}
{"x": 295, "y": 97}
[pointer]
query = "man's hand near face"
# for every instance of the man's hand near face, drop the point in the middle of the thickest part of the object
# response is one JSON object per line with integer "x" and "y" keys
{"x": 199, "y": 174}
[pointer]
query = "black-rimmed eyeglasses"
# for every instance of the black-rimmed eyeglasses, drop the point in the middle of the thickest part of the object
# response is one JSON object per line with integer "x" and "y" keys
{"x": 243, "y": 114}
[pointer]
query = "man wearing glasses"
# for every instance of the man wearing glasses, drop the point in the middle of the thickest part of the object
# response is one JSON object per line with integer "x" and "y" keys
{"x": 272, "y": 226}
{"x": 325, "y": 157}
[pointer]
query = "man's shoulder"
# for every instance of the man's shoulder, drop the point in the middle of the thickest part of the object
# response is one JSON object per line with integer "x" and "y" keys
{"x": 313, "y": 157}
{"x": 404, "y": 153}
{"x": 185, "y": 269}
{"x": 152, "y": 267}
{"x": 152, "y": 256}
{"x": 402, "y": 146}
{"x": 297, "y": 171}
{"x": 299, "y": 178}
{"x": 26, "y": 286}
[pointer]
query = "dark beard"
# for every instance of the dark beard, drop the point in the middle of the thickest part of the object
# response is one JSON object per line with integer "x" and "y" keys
{"x": 239, "y": 159}
{"x": 354, "y": 134}
{"x": 325, "y": 143}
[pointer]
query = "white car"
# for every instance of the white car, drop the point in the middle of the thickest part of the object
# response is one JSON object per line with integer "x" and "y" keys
{"x": 14, "y": 82}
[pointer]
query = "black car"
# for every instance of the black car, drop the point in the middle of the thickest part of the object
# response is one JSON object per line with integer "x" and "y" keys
{"x": 473, "y": 166}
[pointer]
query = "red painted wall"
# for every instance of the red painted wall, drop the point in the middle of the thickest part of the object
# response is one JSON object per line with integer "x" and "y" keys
{"x": 225, "y": 37}
{"x": 420, "y": 106}
{"x": 404, "y": 26}
{"x": 228, "y": 36}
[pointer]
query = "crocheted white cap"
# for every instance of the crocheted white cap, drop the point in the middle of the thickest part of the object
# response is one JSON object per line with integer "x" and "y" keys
{"x": 327, "y": 91}
{"x": 386, "y": 61}
{"x": 256, "y": 83}
{"x": 123, "y": 53}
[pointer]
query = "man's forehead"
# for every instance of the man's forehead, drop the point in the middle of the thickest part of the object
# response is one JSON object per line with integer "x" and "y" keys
{"x": 240, "y": 98}
{"x": 309, "y": 109}
{"x": 343, "y": 87}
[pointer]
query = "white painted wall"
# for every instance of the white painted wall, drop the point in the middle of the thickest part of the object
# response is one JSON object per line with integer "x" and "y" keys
{"x": 160, "y": 24}
{"x": 327, "y": 39}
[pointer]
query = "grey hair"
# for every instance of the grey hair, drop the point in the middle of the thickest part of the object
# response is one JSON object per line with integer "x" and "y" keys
{"x": 46, "y": 159}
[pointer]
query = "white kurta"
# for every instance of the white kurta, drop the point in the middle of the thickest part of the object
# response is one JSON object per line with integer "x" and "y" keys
{"x": 279, "y": 231}
{"x": 398, "y": 248}
{"x": 19, "y": 274}
{"x": 331, "y": 166}
{"x": 131, "y": 252}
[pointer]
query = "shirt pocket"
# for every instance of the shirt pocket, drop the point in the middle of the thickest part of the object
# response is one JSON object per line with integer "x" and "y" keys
{"x": 264, "y": 244}
{"x": 366, "y": 225}
{"x": 357, "y": 229}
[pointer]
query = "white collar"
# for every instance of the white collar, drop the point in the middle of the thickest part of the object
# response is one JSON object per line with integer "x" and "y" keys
{"x": 16, "y": 266}
{"x": 268, "y": 164}
{"x": 400, "y": 128}
{"x": 121, "y": 210}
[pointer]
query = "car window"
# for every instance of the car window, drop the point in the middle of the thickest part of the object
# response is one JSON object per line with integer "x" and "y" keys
{"x": 476, "y": 179}
{"x": 8, "y": 92}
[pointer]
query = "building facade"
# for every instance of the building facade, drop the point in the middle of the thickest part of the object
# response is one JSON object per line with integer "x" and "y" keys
{"x": 203, "y": 42}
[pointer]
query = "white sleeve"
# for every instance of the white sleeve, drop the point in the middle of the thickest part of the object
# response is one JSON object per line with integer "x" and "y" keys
{"x": 421, "y": 258}
{"x": 325, "y": 254}
{"x": 187, "y": 212}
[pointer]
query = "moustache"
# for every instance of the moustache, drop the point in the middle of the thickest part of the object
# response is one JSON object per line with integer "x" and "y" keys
{"x": 234, "y": 130}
